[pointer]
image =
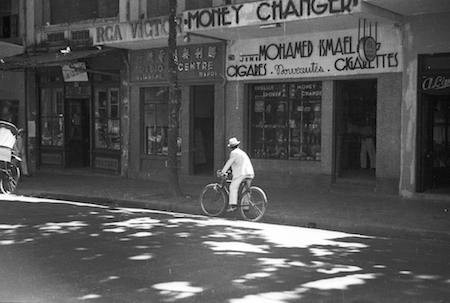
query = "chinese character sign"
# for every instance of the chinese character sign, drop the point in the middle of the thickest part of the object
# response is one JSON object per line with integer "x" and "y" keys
{"x": 193, "y": 62}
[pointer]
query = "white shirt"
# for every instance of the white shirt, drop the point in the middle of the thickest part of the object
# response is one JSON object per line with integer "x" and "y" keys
{"x": 240, "y": 164}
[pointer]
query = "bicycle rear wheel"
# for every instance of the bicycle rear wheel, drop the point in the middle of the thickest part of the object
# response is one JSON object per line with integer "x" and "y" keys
{"x": 213, "y": 200}
{"x": 253, "y": 204}
{"x": 8, "y": 183}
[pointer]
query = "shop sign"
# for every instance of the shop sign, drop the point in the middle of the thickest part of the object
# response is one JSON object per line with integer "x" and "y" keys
{"x": 147, "y": 29}
{"x": 194, "y": 62}
{"x": 318, "y": 54}
{"x": 263, "y": 12}
{"x": 75, "y": 72}
{"x": 437, "y": 84}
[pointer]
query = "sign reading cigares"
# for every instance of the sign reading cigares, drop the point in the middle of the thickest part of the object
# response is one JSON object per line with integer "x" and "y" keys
{"x": 194, "y": 62}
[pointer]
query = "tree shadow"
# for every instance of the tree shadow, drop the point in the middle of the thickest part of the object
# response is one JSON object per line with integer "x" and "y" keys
{"x": 94, "y": 253}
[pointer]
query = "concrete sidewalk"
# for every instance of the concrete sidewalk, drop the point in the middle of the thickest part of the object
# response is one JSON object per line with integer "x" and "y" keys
{"x": 350, "y": 211}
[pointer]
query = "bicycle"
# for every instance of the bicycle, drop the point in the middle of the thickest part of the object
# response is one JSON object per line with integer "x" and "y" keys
{"x": 9, "y": 160}
{"x": 252, "y": 200}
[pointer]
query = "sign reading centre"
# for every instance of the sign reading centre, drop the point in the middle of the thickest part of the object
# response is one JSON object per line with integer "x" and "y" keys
{"x": 312, "y": 55}
{"x": 268, "y": 11}
{"x": 194, "y": 62}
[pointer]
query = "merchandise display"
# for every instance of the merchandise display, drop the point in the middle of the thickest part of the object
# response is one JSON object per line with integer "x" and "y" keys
{"x": 286, "y": 121}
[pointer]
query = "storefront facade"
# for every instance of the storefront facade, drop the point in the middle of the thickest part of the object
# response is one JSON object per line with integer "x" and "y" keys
{"x": 79, "y": 114}
{"x": 314, "y": 94}
{"x": 314, "y": 111}
{"x": 200, "y": 70}
{"x": 424, "y": 153}
{"x": 322, "y": 94}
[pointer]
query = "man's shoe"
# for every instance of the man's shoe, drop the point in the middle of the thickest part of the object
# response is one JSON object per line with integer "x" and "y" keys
{"x": 231, "y": 208}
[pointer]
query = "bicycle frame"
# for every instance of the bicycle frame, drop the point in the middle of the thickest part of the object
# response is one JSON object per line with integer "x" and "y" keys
{"x": 243, "y": 189}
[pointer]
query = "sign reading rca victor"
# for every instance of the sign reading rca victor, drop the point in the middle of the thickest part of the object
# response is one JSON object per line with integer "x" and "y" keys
{"x": 263, "y": 12}
{"x": 314, "y": 55}
{"x": 144, "y": 29}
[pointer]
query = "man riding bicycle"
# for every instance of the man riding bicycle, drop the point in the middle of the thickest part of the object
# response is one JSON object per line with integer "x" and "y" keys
{"x": 241, "y": 167}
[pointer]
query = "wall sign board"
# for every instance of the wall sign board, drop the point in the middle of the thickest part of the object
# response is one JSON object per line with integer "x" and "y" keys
{"x": 144, "y": 29}
{"x": 263, "y": 12}
{"x": 75, "y": 72}
{"x": 230, "y": 16}
{"x": 438, "y": 84}
{"x": 204, "y": 61}
{"x": 312, "y": 55}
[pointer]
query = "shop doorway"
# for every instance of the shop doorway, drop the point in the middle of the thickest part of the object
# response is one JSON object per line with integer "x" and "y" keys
{"x": 77, "y": 133}
{"x": 435, "y": 154}
{"x": 355, "y": 129}
{"x": 433, "y": 124}
{"x": 203, "y": 129}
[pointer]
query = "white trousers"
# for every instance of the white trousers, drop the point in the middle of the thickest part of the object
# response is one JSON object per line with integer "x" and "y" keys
{"x": 368, "y": 149}
{"x": 234, "y": 187}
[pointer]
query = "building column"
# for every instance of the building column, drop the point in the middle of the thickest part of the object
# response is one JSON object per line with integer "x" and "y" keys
{"x": 235, "y": 120}
{"x": 388, "y": 132}
{"x": 408, "y": 142}
{"x": 327, "y": 124}
{"x": 31, "y": 126}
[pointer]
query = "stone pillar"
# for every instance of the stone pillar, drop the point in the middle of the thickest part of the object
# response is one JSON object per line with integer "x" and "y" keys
{"x": 124, "y": 13}
{"x": 235, "y": 111}
{"x": 31, "y": 124}
{"x": 134, "y": 10}
{"x": 408, "y": 142}
{"x": 388, "y": 132}
{"x": 327, "y": 124}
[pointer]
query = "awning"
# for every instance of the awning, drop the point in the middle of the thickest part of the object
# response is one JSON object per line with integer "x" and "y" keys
{"x": 10, "y": 49}
{"x": 48, "y": 59}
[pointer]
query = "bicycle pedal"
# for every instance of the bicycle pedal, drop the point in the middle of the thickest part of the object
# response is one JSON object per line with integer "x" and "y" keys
{"x": 231, "y": 208}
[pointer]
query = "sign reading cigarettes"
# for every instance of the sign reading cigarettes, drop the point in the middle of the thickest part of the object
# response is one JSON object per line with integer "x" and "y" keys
{"x": 313, "y": 55}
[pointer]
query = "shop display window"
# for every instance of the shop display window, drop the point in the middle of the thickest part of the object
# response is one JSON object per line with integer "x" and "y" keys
{"x": 52, "y": 117}
{"x": 286, "y": 121}
{"x": 107, "y": 119}
{"x": 156, "y": 118}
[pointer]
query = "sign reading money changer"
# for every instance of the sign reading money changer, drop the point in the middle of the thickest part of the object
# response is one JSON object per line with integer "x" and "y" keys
{"x": 311, "y": 55}
{"x": 267, "y": 11}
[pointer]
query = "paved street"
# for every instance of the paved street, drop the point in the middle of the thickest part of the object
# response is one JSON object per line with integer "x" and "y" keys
{"x": 59, "y": 251}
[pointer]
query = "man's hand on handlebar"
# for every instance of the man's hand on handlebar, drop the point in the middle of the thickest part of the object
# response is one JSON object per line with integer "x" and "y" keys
{"x": 220, "y": 174}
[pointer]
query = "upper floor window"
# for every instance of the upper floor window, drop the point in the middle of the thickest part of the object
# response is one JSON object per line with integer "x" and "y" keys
{"x": 196, "y": 4}
{"x": 157, "y": 8}
{"x": 66, "y": 11}
{"x": 9, "y": 19}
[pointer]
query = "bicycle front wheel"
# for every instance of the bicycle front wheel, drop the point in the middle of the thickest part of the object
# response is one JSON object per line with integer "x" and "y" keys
{"x": 253, "y": 204}
{"x": 9, "y": 181}
{"x": 213, "y": 200}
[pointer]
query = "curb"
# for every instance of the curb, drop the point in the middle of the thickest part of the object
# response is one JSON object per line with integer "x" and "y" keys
{"x": 194, "y": 209}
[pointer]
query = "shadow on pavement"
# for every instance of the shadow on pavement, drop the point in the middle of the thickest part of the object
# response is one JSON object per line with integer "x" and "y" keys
{"x": 98, "y": 254}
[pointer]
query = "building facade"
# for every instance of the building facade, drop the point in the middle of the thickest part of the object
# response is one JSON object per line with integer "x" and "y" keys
{"x": 319, "y": 92}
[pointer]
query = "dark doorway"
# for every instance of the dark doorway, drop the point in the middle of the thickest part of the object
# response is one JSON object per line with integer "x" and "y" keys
{"x": 355, "y": 129}
{"x": 436, "y": 142}
{"x": 203, "y": 129}
{"x": 77, "y": 133}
